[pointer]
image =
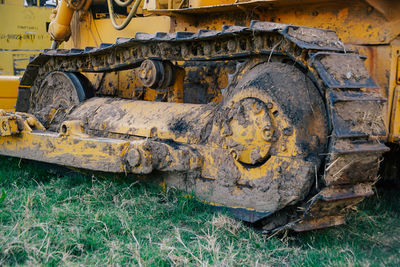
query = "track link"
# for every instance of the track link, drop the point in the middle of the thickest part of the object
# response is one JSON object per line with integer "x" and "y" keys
{"x": 353, "y": 106}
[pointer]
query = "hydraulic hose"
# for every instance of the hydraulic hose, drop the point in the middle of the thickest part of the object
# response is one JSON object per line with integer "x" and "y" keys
{"x": 130, "y": 16}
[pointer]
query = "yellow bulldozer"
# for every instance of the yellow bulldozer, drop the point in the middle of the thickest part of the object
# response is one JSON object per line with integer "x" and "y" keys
{"x": 278, "y": 110}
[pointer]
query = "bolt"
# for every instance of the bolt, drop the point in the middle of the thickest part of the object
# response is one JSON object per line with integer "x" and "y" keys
{"x": 270, "y": 105}
{"x": 267, "y": 133}
{"x": 133, "y": 157}
{"x": 257, "y": 107}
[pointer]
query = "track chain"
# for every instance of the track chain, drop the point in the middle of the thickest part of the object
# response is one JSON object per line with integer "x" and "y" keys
{"x": 354, "y": 109}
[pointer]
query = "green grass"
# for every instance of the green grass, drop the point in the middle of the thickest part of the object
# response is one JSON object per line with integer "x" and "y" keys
{"x": 47, "y": 219}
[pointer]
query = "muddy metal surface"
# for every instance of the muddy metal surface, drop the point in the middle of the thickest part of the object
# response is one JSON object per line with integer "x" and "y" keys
{"x": 321, "y": 127}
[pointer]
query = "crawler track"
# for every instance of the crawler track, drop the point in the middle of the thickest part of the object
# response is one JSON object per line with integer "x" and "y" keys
{"x": 354, "y": 110}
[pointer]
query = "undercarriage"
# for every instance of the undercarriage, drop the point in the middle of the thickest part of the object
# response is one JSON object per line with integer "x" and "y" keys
{"x": 278, "y": 123}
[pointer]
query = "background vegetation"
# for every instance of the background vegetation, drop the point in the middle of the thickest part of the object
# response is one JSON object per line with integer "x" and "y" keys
{"x": 48, "y": 219}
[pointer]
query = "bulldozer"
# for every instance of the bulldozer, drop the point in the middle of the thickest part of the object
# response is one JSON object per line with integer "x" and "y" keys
{"x": 277, "y": 110}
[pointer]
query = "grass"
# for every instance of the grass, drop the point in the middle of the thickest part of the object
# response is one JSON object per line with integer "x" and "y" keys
{"x": 48, "y": 219}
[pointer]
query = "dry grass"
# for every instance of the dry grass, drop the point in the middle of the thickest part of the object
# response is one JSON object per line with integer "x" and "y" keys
{"x": 47, "y": 219}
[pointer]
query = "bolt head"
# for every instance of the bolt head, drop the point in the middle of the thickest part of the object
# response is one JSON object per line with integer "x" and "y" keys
{"x": 267, "y": 133}
{"x": 133, "y": 157}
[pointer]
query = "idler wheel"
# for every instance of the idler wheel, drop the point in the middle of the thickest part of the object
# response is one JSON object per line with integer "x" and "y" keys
{"x": 156, "y": 74}
{"x": 57, "y": 94}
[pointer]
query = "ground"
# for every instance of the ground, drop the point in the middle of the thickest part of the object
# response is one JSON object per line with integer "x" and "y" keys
{"x": 49, "y": 219}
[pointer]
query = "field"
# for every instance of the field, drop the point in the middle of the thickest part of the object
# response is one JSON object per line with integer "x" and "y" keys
{"x": 48, "y": 219}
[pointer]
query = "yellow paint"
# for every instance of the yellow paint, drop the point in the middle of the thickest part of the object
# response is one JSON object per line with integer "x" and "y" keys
{"x": 59, "y": 28}
{"x": 176, "y": 92}
{"x": 65, "y": 148}
{"x": 356, "y": 22}
{"x": 8, "y": 125}
{"x": 202, "y": 3}
{"x": 14, "y": 62}
{"x": 256, "y": 137}
{"x": 74, "y": 151}
{"x": 144, "y": 123}
{"x": 398, "y": 69}
{"x": 278, "y": 124}
{"x": 22, "y": 35}
{"x": 24, "y": 27}
{"x": 343, "y": 14}
{"x": 394, "y": 95}
{"x": 93, "y": 32}
{"x": 8, "y": 92}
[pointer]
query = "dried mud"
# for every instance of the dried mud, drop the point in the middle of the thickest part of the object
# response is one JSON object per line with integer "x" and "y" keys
{"x": 345, "y": 168}
{"x": 55, "y": 99}
{"x": 286, "y": 184}
{"x": 315, "y": 36}
{"x": 346, "y": 68}
{"x": 361, "y": 116}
